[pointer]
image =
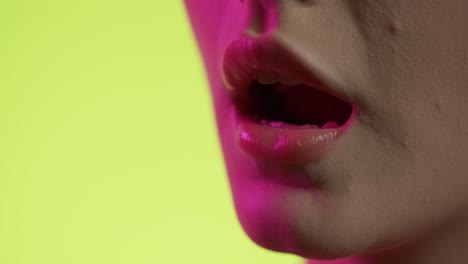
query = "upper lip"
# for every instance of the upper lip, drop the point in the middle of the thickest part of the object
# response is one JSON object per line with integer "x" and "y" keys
{"x": 246, "y": 56}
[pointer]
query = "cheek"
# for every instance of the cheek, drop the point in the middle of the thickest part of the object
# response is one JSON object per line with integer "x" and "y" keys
{"x": 417, "y": 104}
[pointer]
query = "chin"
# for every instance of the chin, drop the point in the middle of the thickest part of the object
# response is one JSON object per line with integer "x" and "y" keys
{"x": 272, "y": 218}
{"x": 303, "y": 244}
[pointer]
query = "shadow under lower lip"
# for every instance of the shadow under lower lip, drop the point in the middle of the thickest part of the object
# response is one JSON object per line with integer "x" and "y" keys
{"x": 286, "y": 175}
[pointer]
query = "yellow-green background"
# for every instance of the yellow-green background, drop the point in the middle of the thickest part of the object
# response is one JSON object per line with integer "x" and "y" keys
{"x": 108, "y": 148}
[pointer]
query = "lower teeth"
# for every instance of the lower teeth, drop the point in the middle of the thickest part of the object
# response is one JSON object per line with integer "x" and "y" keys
{"x": 280, "y": 124}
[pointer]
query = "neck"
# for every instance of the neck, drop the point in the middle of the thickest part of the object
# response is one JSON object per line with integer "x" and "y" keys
{"x": 446, "y": 245}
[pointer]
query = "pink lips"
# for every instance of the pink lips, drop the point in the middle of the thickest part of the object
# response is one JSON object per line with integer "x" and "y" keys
{"x": 284, "y": 145}
{"x": 243, "y": 59}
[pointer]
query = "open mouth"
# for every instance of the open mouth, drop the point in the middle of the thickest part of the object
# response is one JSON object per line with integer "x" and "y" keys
{"x": 292, "y": 105}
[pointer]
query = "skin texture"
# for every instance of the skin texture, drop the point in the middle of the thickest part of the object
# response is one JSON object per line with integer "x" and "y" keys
{"x": 394, "y": 189}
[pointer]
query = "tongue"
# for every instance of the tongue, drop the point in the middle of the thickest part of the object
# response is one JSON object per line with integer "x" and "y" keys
{"x": 306, "y": 105}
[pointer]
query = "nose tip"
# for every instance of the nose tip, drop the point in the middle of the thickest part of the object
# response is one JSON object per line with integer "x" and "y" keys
{"x": 263, "y": 16}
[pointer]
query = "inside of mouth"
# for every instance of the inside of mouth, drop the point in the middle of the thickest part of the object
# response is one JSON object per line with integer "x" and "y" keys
{"x": 295, "y": 105}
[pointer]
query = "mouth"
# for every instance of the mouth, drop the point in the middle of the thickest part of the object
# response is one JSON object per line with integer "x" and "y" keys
{"x": 271, "y": 86}
{"x": 288, "y": 110}
{"x": 292, "y": 106}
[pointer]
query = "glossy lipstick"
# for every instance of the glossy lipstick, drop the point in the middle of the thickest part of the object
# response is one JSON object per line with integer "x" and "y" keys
{"x": 300, "y": 145}
{"x": 244, "y": 58}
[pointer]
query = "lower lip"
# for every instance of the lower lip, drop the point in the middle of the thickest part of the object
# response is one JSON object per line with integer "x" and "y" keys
{"x": 288, "y": 146}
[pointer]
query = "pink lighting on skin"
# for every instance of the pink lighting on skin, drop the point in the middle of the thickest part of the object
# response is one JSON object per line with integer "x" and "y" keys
{"x": 386, "y": 181}
{"x": 252, "y": 186}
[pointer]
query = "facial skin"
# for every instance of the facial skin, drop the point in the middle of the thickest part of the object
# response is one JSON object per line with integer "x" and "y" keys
{"x": 394, "y": 188}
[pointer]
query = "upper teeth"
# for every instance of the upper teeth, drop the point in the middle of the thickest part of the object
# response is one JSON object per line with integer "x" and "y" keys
{"x": 268, "y": 77}
{"x": 271, "y": 77}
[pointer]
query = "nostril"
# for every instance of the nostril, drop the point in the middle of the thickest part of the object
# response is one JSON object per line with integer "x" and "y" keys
{"x": 256, "y": 18}
{"x": 263, "y": 17}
